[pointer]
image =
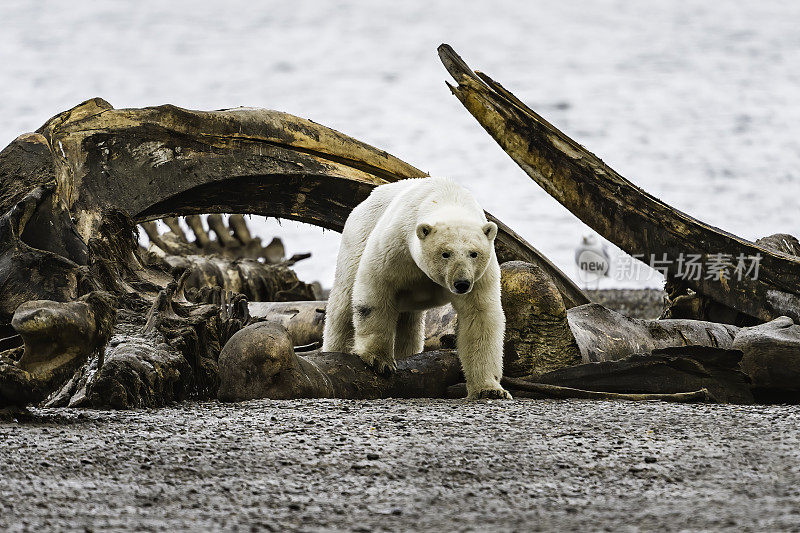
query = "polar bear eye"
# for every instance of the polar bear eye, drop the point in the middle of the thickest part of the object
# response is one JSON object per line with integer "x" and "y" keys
{"x": 445, "y": 254}
{"x": 473, "y": 254}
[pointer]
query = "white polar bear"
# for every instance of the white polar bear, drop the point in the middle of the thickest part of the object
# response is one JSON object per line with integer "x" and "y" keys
{"x": 411, "y": 246}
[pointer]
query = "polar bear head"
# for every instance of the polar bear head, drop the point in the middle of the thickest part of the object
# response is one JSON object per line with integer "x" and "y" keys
{"x": 454, "y": 254}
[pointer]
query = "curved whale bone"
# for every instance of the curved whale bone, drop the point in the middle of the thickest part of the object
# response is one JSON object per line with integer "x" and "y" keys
{"x": 166, "y": 161}
{"x": 683, "y": 302}
{"x": 618, "y": 210}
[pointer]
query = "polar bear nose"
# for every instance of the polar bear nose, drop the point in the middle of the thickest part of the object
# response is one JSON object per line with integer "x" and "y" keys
{"x": 461, "y": 285}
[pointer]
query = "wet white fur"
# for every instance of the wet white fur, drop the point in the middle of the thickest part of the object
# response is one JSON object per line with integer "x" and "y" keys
{"x": 390, "y": 269}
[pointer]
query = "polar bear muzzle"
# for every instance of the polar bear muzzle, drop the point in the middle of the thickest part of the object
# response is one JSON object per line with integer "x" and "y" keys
{"x": 462, "y": 286}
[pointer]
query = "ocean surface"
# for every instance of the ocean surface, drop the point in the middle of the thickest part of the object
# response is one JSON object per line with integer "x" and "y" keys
{"x": 696, "y": 102}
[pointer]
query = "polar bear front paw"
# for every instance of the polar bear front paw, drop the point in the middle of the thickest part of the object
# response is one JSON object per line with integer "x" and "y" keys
{"x": 490, "y": 394}
{"x": 385, "y": 368}
{"x": 380, "y": 365}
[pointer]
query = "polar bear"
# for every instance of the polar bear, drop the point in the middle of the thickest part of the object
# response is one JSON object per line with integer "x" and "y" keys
{"x": 410, "y": 246}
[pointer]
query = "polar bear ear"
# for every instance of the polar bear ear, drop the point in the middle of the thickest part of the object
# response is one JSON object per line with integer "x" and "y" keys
{"x": 423, "y": 230}
{"x": 490, "y": 230}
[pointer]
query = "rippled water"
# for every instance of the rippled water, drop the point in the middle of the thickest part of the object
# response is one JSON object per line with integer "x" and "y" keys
{"x": 697, "y": 102}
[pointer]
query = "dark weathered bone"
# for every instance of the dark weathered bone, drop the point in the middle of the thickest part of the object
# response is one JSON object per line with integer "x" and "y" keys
{"x": 781, "y": 243}
{"x": 170, "y": 242}
{"x": 151, "y": 229}
{"x": 176, "y": 243}
{"x": 28, "y": 273}
{"x": 275, "y": 252}
{"x": 222, "y": 232}
{"x": 605, "y": 335}
{"x": 240, "y": 230}
{"x": 259, "y": 362}
{"x": 668, "y": 371}
{"x": 139, "y": 165}
{"x": 25, "y": 164}
{"x": 538, "y": 338}
{"x": 58, "y": 338}
{"x": 175, "y": 227}
{"x": 302, "y": 319}
{"x": 614, "y": 207}
{"x": 772, "y": 358}
{"x": 556, "y": 391}
{"x": 169, "y": 354}
{"x": 682, "y": 302}
{"x": 195, "y": 223}
{"x": 166, "y": 162}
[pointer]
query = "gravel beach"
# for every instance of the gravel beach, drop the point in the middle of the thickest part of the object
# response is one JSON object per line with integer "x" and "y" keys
{"x": 390, "y": 465}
